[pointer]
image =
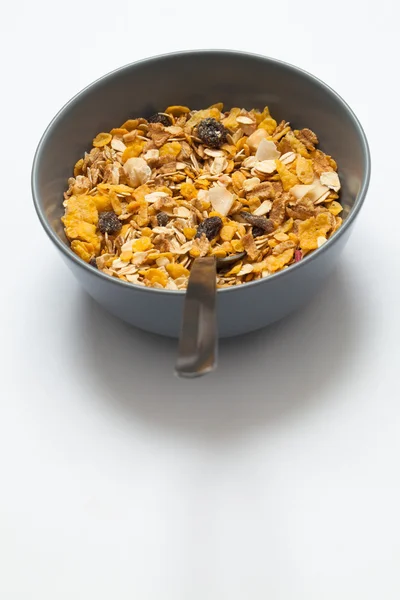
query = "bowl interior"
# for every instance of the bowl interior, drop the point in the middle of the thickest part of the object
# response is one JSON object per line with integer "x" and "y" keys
{"x": 197, "y": 79}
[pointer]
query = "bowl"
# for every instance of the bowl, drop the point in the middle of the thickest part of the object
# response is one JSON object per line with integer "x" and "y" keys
{"x": 199, "y": 79}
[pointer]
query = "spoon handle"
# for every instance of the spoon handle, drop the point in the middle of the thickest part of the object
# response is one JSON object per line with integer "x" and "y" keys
{"x": 197, "y": 352}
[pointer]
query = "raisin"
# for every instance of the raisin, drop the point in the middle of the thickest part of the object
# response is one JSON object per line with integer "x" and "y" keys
{"x": 212, "y": 133}
{"x": 92, "y": 262}
{"x": 210, "y": 227}
{"x": 260, "y": 222}
{"x": 257, "y": 231}
{"x": 162, "y": 219}
{"x": 109, "y": 222}
{"x": 160, "y": 118}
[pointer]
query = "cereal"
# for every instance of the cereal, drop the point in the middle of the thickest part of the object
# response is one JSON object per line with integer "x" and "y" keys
{"x": 153, "y": 195}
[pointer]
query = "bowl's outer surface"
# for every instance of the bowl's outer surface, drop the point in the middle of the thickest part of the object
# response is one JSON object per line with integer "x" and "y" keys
{"x": 198, "y": 79}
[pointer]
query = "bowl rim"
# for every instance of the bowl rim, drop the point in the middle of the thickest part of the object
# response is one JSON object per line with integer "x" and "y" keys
{"x": 66, "y": 250}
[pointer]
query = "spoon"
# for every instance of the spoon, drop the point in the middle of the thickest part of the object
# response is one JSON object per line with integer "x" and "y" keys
{"x": 197, "y": 351}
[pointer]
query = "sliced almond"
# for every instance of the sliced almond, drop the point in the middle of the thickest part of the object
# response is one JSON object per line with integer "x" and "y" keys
{"x": 219, "y": 165}
{"x": 245, "y": 270}
{"x": 322, "y": 198}
{"x": 331, "y": 180}
{"x": 225, "y": 179}
{"x": 263, "y": 209}
{"x": 288, "y": 158}
{"x": 316, "y": 192}
{"x": 183, "y": 212}
{"x": 265, "y": 166}
{"x": 162, "y": 261}
{"x": 249, "y": 162}
{"x": 250, "y": 183}
{"x": 139, "y": 258}
{"x": 117, "y": 144}
{"x": 213, "y": 153}
{"x": 152, "y": 154}
{"x": 154, "y": 196}
{"x": 133, "y": 279}
{"x": 300, "y": 190}
{"x": 174, "y": 130}
{"x": 245, "y": 120}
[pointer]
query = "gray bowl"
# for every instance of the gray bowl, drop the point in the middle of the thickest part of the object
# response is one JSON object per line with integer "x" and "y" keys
{"x": 198, "y": 79}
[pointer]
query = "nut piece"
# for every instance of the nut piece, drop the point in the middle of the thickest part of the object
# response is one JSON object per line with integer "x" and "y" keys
{"x": 137, "y": 171}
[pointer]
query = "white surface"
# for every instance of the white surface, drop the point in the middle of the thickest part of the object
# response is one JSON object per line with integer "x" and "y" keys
{"x": 276, "y": 477}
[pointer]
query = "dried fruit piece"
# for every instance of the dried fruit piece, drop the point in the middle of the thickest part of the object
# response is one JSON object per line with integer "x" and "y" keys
{"x": 161, "y": 118}
{"x": 257, "y": 232}
{"x": 261, "y": 222}
{"x": 162, "y": 219}
{"x": 210, "y": 227}
{"x": 109, "y": 222}
{"x": 212, "y": 132}
{"x": 298, "y": 255}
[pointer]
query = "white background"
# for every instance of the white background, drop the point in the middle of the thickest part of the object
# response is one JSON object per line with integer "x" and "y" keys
{"x": 277, "y": 477}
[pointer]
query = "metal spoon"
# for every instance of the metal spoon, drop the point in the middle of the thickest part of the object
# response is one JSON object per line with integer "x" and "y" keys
{"x": 198, "y": 342}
